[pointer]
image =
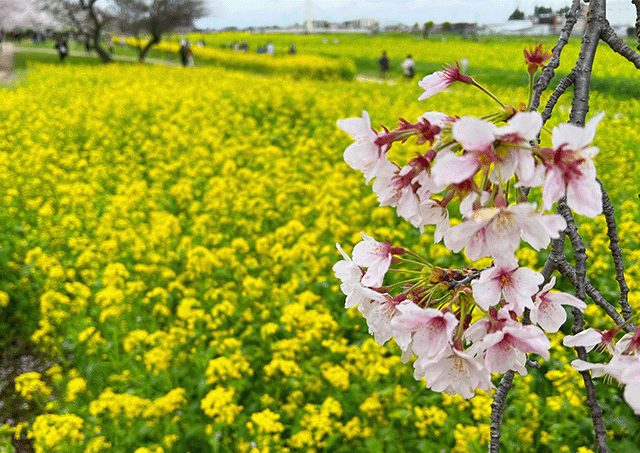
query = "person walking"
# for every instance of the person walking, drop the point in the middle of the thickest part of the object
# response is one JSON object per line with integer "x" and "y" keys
{"x": 271, "y": 48}
{"x": 186, "y": 54}
{"x": 63, "y": 48}
{"x": 383, "y": 61}
{"x": 409, "y": 67}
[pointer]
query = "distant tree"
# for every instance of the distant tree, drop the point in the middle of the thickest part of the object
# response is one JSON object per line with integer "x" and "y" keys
{"x": 517, "y": 15}
{"x": 563, "y": 10}
{"x": 446, "y": 26}
{"x": 156, "y": 17}
{"x": 427, "y": 28}
{"x": 85, "y": 17}
{"x": 7, "y": 9}
{"x": 540, "y": 10}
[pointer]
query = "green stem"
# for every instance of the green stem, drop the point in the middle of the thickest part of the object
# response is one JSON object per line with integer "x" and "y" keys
{"x": 404, "y": 260}
{"x": 489, "y": 93}
{"x": 402, "y": 283}
{"x": 531, "y": 76}
{"x": 419, "y": 257}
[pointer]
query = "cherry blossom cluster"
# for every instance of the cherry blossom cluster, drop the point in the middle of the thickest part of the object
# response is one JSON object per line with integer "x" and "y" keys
{"x": 463, "y": 325}
{"x": 624, "y": 365}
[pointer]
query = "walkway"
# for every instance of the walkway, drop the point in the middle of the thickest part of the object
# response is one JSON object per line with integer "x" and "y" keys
{"x": 77, "y": 53}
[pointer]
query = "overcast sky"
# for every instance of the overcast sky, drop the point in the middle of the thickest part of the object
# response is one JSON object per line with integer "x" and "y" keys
{"x": 244, "y": 13}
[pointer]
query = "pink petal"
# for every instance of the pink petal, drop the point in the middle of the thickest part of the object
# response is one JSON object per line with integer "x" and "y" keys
{"x": 474, "y": 134}
{"x": 486, "y": 290}
{"x": 449, "y": 168}
{"x": 553, "y": 188}
{"x": 584, "y": 196}
{"x": 632, "y": 396}
{"x": 549, "y": 316}
{"x": 433, "y": 84}
{"x": 589, "y": 339}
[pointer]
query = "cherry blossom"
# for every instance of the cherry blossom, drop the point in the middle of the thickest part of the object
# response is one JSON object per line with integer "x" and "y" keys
{"x": 507, "y": 347}
{"x": 364, "y": 155}
{"x": 548, "y": 312}
{"x": 351, "y": 276}
{"x": 449, "y": 168}
{"x": 454, "y": 372}
{"x": 536, "y": 58}
{"x": 496, "y": 232}
{"x": 476, "y": 137}
{"x": 376, "y": 256}
{"x": 438, "y": 81}
{"x": 521, "y": 129}
{"x": 591, "y": 338}
{"x": 381, "y": 314}
{"x": 623, "y": 368}
{"x": 516, "y": 284}
{"x": 427, "y": 329}
{"x": 570, "y": 169}
{"x": 433, "y": 213}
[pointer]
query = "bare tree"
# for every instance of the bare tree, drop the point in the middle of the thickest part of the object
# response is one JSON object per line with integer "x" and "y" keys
{"x": 87, "y": 17}
{"x": 156, "y": 17}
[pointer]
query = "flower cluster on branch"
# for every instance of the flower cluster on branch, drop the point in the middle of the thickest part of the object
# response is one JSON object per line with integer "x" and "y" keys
{"x": 463, "y": 325}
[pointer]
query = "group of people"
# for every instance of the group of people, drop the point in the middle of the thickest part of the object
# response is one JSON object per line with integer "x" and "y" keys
{"x": 269, "y": 48}
{"x": 408, "y": 66}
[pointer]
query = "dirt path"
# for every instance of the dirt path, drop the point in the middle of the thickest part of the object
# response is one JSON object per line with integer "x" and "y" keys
{"x": 77, "y": 53}
{"x": 10, "y": 49}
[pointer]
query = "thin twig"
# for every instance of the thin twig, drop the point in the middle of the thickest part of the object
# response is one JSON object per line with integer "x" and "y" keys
{"x": 498, "y": 407}
{"x": 562, "y": 86}
{"x": 568, "y": 271}
{"x": 600, "y": 428}
{"x": 467, "y": 279}
{"x": 579, "y": 250}
{"x": 616, "y": 253}
{"x": 549, "y": 70}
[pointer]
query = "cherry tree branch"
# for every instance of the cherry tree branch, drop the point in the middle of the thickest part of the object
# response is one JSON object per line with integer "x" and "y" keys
{"x": 616, "y": 43}
{"x": 562, "y": 86}
{"x": 596, "y": 20}
{"x": 596, "y": 411}
{"x": 616, "y": 253}
{"x": 568, "y": 271}
{"x": 597, "y": 28}
{"x": 498, "y": 407}
{"x": 556, "y": 258}
{"x": 549, "y": 70}
{"x": 579, "y": 250}
{"x": 637, "y": 5}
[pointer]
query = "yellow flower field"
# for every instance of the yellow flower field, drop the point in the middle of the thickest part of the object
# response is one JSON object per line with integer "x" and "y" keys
{"x": 173, "y": 230}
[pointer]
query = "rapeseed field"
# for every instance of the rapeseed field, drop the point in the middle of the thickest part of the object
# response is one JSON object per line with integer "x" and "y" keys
{"x": 168, "y": 238}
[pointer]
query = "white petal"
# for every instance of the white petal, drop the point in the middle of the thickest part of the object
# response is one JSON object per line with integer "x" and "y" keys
{"x": 584, "y": 196}
{"x": 474, "y": 134}
{"x": 632, "y": 396}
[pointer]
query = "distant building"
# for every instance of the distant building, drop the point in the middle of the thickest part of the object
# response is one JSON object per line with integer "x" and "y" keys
{"x": 361, "y": 24}
{"x": 516, "y": 27}
{"x": 397, "y": 27}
